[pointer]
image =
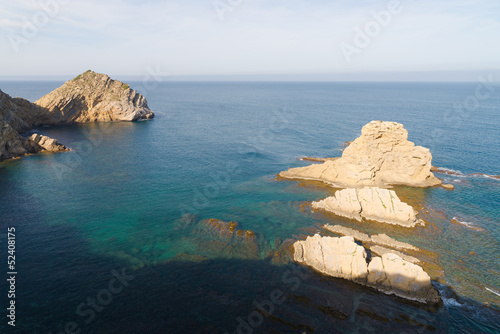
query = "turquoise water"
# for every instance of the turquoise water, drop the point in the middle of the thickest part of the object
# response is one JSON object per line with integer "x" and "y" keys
{"x": 116, "y": 201}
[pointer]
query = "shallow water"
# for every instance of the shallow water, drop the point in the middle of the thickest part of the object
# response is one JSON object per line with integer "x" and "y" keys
{"x": 213, "y": 150}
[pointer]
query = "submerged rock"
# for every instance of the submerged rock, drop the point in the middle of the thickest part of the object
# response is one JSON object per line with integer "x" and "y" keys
{"x": 384, "y": 239}
{"x": 346, "y": 231}
{"x": 342, "y": 257}
{"x": 495, "y": 177}
{"x": 448, "y": 186}
{"x": 381, "y": 156}
{"x": 382, "y": 250}
{"x": 314, "y": 159}
{"x": 216, "y": 238}
{"x": 371, "y": 203}
{"x": 378, "y": 239}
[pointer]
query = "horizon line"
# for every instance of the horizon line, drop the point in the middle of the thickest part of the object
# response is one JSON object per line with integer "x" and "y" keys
{"x": 406, "y": 76}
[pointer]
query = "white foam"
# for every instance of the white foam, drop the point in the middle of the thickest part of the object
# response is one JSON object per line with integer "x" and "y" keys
{"x": 468, "y": 224}
{"x": 451, "y": 302}
{"x": 451, "y": 171}
{"x": 493, "y": 291}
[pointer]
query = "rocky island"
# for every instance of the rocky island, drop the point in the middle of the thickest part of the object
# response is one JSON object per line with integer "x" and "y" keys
{"x": 90, "y": 97}
{"x": 381, "y": 156}
{"x": 373, "y": 203}
{"x": 343, "y": 258}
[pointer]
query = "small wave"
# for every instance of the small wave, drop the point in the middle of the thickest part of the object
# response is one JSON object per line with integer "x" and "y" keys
{"x": 493, "y": 291}
{"x": 471, "y": 225}
{"x": 449, "y": 171}
{"x": 461, "y": 222}
{"x": 493, "y": 177}
{"x": 451, "y": 302}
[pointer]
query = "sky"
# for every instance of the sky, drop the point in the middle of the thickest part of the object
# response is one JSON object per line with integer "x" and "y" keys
{"x": 269, "y": 39}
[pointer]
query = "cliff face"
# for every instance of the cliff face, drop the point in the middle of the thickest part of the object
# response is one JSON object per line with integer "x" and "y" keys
{"x": 19, "y": 115}
{"x": 381, "y": 156}
{"x": 90, "y": 97}
{"x": 93, "y": 97}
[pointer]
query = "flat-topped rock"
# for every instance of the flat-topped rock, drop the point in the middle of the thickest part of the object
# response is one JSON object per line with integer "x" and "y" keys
{"x": 93, "y": 97}
{"x": 343, "y": 258}
{"x": 346, "y": 231}
{"x": 337, "y": 257}
{"x": 385, "y": 240}
{"x": 378, "y": 239}
{"x": 381, "y": 156}
{"x": 379, "y": 250}
{"x": 373, "y": 203}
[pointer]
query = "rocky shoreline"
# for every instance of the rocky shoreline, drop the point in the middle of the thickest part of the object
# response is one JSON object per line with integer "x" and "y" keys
{"x": 90, "y": 97}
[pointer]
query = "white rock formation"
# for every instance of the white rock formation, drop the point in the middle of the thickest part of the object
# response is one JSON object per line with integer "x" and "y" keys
{"x": 342, "y": 257}
{"x": 393, "y": 275}
{"x": 373, "y": 203}
{"x": 337, "y": 257}
{"x": 381, "y": 156}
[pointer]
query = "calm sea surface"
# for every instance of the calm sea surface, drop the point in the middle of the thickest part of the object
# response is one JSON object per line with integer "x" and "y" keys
{"x": 113, "y": 207}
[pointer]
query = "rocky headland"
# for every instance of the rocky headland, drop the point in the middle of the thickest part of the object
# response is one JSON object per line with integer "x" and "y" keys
{"x": 90, "y": 97}
{"x": 372, "y": 203}
{"x": 389, "y": 273}
{"x": 381, "y": 156}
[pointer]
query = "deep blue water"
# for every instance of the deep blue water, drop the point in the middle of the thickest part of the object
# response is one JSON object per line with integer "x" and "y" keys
{"x": 115, "y": 201}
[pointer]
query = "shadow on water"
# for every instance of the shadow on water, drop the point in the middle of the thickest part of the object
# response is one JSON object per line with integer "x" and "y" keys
{"x": 201, "y": 296}
{"x": 60, "y": 277}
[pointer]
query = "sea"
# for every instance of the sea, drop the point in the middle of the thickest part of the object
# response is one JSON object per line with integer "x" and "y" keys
{"x": 108, "y": 237}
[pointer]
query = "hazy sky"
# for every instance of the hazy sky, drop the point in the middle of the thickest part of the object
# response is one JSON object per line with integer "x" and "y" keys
{"x": 239, "y": 37}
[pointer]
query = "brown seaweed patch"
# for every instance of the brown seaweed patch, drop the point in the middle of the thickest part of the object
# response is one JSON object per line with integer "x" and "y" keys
{"x": 374, "y": 316}
{"x": 333, "y": 312}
